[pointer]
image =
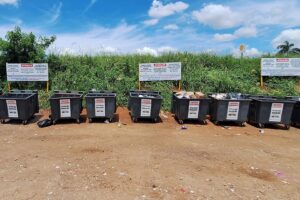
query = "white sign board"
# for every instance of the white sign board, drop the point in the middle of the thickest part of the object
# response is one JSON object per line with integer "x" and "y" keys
{"x": 160, "y": 71}
{"x": 280, "y": 66}
{"x": 65, "y": 108}
{"x": 233, "y": 110}
{"x": 12, "y": 108}
{"x": 27, "y": 72}
{"x": 100, "y": 107}
{"x": 193, "y": 109}
{"x": 276, "y": 112}
{"x": 146, "y": 107}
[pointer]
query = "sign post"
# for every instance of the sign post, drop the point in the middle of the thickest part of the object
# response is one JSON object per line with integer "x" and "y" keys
{"x": 160, "y": 72}
{"x": 279, "y": 67}
{"x": 25, "y": 72}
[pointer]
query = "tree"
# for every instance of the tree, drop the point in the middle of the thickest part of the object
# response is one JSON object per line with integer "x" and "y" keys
{"x": 286, "y": 48}
{"x": 20, "y": 47}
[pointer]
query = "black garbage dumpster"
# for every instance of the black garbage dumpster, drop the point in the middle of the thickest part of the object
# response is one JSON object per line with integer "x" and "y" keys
{"x": 36, "y": 97}
{"x": 17, "y": 106}
{"x": 190, "y": 109}
{"x": 270, "y": 110}
{"x": 296, "y": 112}
{"x": 66, "y": 105}
{"x": 101, "y": 104}
{"x": 144, "y": 105}
{"x": 229, "y": 109}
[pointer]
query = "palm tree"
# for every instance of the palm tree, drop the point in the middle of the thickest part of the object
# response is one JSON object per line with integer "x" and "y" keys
{"x": 286, "y": 48}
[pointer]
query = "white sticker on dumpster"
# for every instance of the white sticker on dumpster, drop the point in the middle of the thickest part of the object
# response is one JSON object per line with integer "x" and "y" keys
{"x": 193, "y": 109}
{"x": 100, "y": 107}
{"x": 233, "y": 110}
{"x": 12, "y": 108}
{"x": 146, "y": 107}
{"x": 276, "y": 112}
{"x": 65, "y": 107}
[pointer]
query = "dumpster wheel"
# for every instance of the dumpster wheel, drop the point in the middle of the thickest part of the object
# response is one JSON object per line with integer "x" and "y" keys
{"x": 287, "y": 126}
{"x": 216, "y": 122}
{"x": 180, "y": 121}
{"x": 260, "y": 125}
{"x": 2, "y": 121}
{"x": 155, "y": 120}
{"x": 24, "y": 122}
{"x": 134, "y": 119}
{"x": 78, "y": 121}
{"x": 204, "y": 122}
{"x": 90, "y": 120}
{"x": 242, "y": 124}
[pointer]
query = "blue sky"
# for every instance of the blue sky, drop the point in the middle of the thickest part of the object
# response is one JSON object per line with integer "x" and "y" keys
{"x": 156, "y": 26}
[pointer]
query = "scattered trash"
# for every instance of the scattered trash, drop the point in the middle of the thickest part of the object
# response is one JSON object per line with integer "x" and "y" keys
{"x": 122, "y": 173}
{"x": 262, "y": 131}
{"x": 192, "y": 192}
{"x": 44, "y": 123}
{"x": 184, "y": 128}
{"x": 183, "y": 190}
{"x": 226, "y": 127}
{"x": 57, "y": 167}
{"x": 104, "y": 174}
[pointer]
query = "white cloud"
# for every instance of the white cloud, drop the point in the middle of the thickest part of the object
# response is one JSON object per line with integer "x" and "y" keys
{"x": 246, "y": 32}
{"x": 9, "y": 2}
{"x": 166, "y": 49}
{"x": 151, "y": 22}
{"x": 92, "y": 2}
{"x": 257, "y": 13}
{"x": 217, "y": 16}
{"x": 249, "y": 52}
{"x": 155, "y": 51}
{"x": 158, "y": 10}
{"x": 147, "y": 51}
{"x": 243, "y": 32}
{"x": 126, "y": 39}
{"x": 55, "y": 12}
{"x": 291, "y": 35}
{"x": 224, "y": 37}
{"x": 171, "y": 27}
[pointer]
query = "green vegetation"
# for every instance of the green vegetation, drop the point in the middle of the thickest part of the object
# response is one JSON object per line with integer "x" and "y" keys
{"x": 287, "y": 48}
{"x": 119, "y": 73}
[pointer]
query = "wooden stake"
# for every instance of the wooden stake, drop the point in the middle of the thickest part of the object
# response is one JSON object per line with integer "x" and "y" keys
{"x": 8, "y": 86}
{"x": 261, "y": 81}
{"x": 47, "y": 87}
{"x": 180, "y": 84}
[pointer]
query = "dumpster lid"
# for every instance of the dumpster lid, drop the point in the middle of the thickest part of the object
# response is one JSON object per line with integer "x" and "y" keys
{"x": 294, "y": 98}
{"x": 144, "y": 92}
{"x": 101, "y": 92}
{"x": 67, "y": 92}
{"x": 8, "y": 96}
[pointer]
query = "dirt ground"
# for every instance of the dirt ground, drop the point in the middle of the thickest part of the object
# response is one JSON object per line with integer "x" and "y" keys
{"x": 148, "y": 161}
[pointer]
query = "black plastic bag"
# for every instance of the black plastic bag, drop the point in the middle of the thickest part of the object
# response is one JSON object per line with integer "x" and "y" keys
{"x": 44, "y": 123}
